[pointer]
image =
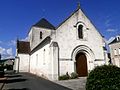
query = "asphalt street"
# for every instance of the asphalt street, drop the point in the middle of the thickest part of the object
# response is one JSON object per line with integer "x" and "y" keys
{"x": 26, "y": 81}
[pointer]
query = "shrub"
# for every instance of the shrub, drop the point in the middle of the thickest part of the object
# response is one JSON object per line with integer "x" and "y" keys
{"x": 64, "y": 77}
{"x": 74, "y": 75}
{"x": 104, "y": 78}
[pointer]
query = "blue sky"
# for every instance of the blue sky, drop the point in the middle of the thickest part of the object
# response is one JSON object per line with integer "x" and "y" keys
{"x": 17, "y": 16}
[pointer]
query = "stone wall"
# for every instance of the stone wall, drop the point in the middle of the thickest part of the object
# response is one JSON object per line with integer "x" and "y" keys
{"x": 34, "y": 36}
{"x": 22, "y": 63}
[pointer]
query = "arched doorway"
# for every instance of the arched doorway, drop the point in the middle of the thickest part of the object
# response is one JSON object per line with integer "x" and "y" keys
{"x": 81, "y": 65}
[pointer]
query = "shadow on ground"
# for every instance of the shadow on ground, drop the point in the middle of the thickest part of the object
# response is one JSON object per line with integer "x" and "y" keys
{"x": 13, "y": 80}
{"x": 19, "y": 89}
{"x": 13, "y": 76}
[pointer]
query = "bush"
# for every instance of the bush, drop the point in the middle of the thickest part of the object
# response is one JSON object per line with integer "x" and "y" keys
{"x": 74, "y": 75}
{"x": 64, "y": 77}
{"x": 104, "y": 78}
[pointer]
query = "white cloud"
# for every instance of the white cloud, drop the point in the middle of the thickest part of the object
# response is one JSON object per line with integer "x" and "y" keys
{"x": 111, "y": 30}
{"x": 2, "y": 50}
{"x": 6, "y": 53}
{"x": 107, "y": 23}
{"x": 12, "y": 43}
{"x": 9, "y": 51}
{"x": 0, "y": 42}
{"x": 24, "y": 39}
{"x": 6, "y": 49}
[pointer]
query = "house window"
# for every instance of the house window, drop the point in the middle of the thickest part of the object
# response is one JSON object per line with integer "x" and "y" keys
{"x": 80, "y": 31}
{"x": 115, "y": 52}
{"x": 40, "y": 35}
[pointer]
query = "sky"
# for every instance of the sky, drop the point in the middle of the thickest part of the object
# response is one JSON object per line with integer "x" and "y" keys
{"x": 17, "y": 17}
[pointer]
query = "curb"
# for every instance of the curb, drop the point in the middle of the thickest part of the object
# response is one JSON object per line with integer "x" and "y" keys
{"x": 2, "y": 84}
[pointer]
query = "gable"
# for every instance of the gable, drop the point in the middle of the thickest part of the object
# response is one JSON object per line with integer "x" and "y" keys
{"x": 66, "y": 35}
{"x": 82, "y": 18}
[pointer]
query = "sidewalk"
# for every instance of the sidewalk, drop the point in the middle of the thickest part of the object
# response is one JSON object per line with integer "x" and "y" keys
{"x": 74, "y": 84}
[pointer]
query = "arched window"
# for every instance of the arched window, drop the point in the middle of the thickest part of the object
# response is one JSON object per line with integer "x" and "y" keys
{"x": 80, "y": 31}
{"x": 40, "y": 35}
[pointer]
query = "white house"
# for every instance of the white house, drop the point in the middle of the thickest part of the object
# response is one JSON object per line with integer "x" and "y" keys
{"x": 115, "y": 51}
{"x": 74, "y": 46}
{"x": 21, "y": 63}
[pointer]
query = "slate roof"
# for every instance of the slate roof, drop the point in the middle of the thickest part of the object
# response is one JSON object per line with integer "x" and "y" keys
{"x": 114, "y": 41}
{"x": 23, "y": 47}
{"x": 44, "y": 24}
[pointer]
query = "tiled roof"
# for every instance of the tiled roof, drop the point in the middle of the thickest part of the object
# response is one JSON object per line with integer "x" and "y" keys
{"x": 23, "y": 47}
{"x": 45, "y": 24}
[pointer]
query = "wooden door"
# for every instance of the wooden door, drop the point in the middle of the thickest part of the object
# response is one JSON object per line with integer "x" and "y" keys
{"x": 81, "y": 65}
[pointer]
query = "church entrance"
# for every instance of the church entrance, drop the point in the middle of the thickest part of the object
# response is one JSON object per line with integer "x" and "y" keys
{"x": 81, "y": 65}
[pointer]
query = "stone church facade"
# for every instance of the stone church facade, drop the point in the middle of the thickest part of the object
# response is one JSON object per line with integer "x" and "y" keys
{"x": 74, "y": 46}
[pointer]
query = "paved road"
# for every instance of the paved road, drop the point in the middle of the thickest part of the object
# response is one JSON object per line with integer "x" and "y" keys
{"x": 26, "y": 81}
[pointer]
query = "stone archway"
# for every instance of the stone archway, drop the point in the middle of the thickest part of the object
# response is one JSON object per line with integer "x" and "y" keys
{"x": 87, "y": 53}
{"x": 81, "y": 65}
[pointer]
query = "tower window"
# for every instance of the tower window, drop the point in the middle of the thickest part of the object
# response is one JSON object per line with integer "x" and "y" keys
{"x": 80, "y": 31}
{"x": 40, "y": 35}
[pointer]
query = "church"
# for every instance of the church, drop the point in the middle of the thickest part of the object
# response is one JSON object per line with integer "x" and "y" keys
{"x": 74, "y": 46}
